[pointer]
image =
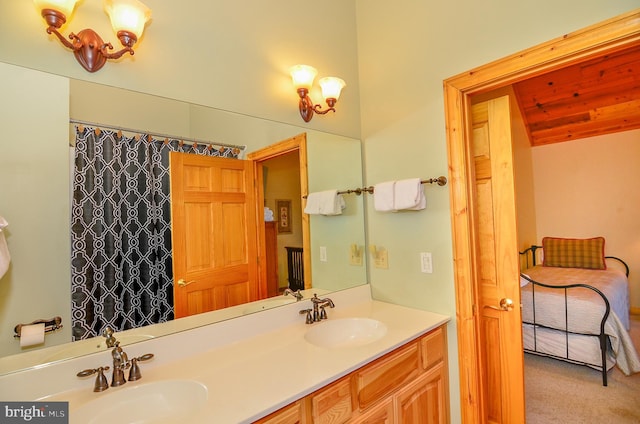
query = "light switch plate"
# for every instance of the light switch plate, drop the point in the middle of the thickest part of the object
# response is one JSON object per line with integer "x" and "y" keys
{"x": 426, "y": 262}
{"x": 323, "y": 253}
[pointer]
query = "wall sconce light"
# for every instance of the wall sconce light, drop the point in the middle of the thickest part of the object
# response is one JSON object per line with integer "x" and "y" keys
{"x": 303, "y": 76}
{"x": 128, "y": 18}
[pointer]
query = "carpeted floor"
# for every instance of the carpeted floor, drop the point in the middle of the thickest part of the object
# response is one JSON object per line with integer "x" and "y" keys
{"x": 559, "y": 392}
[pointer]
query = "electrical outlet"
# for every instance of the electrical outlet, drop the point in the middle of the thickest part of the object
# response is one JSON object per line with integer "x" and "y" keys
{"x": 426, "y": 264}
{"x": 323, "y": 254}
{"x": 381, "y": 259}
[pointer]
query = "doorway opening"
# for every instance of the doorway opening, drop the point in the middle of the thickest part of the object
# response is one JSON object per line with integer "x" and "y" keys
{"x": 290, "y": 157}
{"x": 606, "y": 38}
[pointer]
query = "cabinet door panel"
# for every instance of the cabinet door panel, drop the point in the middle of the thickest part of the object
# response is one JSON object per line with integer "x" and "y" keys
{"x": 424, "y": 401}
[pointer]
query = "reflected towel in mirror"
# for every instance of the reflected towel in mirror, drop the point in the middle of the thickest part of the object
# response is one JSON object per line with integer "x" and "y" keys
{"x": 268, "y": 214}
{"x": 327, "y": 202}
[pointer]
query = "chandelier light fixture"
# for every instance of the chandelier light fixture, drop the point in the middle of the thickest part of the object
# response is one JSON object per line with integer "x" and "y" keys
{"x": 303, "y": 76}
{"x": 128, "y": 19}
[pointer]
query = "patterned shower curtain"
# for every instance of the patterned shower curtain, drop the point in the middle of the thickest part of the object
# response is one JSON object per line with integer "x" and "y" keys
{"x": 121, "y": 266}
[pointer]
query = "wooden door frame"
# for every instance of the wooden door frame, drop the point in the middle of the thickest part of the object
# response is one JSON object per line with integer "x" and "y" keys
{"x": 297, "y": 143}
{"x": 606, "y": 37}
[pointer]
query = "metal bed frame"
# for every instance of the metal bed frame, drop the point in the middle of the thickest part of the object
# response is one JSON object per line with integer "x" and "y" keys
{"x": 602, "y": 337}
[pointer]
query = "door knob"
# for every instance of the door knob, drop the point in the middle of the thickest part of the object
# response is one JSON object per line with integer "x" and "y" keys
{"x": 506, "y": 304}
{"x": 183, "y": 283}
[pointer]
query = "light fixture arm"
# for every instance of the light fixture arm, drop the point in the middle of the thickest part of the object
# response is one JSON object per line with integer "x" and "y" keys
{"x": 307, "y": 108}
{"x": 88, "y": 47}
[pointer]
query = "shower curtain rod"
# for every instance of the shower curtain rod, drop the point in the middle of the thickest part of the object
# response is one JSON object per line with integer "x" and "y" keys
{"x": 173, "y": 137}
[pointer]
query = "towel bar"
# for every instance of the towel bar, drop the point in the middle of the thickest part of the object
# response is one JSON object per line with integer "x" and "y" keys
{"x": 441, "y": 180}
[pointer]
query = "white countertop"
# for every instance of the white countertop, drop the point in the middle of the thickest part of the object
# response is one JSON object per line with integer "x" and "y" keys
{"x": 250, "y": 367}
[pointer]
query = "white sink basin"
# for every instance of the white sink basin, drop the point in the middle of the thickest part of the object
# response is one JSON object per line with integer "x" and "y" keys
{"x": 166, "y": 401}
{"x": 345, "y": 332}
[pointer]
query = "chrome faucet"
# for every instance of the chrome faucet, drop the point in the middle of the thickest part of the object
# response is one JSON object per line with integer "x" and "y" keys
{"x": 295, "y": 294}
{"x": 121, "y": 362}
{"x": 108, "y": 334}
{"x": 318, "y": 313}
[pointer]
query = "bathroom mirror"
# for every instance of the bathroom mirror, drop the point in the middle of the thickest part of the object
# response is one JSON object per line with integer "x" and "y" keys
{"x": 27, "y": 172}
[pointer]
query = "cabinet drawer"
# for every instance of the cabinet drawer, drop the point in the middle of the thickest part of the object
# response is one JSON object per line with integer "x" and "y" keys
{"x": 333, "y": 405}
{"x": 375, "y": 381}
{"x": 433, "y": 347}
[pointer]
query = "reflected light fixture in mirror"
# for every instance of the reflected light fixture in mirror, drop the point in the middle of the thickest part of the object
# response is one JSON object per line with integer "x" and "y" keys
{"x": 128, "y": 19}
{"x": 303, "y": 76}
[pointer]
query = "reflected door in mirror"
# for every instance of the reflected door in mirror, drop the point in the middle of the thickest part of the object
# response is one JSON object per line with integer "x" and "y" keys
{"x": 213, "y": 233}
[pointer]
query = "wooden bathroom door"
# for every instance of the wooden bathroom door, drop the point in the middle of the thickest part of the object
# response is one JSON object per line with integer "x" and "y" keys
{"x": 496, "y": 263}
{"x": 214, "y": 233}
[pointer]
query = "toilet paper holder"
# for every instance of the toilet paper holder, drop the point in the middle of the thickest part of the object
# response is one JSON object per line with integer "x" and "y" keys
{"x": 50, "y": 325}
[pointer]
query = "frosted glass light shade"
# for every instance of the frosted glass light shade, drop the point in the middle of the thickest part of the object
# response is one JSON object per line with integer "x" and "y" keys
{"x": 127, "y": 15}
{"x": 331, "y": 87}
{"x": 63, "y": 6}
{"x": 303, "y": 76}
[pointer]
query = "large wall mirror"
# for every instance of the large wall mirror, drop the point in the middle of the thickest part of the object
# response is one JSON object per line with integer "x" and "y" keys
{"x": 35, "y": 170}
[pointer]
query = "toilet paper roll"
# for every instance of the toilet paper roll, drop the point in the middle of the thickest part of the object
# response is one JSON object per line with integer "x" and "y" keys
{"x": 31, "y": 335}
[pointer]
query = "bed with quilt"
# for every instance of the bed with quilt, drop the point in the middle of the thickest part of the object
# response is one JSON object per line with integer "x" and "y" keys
{"x": 575, "y": 306}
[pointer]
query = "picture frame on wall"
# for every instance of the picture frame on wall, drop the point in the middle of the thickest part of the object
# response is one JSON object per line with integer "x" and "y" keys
{"x": 283, "y": 213}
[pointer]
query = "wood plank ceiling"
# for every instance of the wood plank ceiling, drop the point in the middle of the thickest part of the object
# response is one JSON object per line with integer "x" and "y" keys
{"x": 600, "y": 96}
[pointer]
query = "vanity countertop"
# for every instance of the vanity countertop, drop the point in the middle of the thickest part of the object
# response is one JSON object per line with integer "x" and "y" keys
{"x": 249, "y": 377}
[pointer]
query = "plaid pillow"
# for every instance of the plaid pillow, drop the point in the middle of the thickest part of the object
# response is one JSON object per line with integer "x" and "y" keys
{"x": 574, "y": 253}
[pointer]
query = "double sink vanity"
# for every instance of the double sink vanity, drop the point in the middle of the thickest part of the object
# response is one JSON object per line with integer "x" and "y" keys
{"x": 368, "y": 361}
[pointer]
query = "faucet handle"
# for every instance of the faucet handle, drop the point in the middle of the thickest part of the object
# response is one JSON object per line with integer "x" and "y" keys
{"x": 101, "y": 383}
{"x": 309, "y": 319}
{"x": 323, "y": 313}
{"x": 134, "y": 373}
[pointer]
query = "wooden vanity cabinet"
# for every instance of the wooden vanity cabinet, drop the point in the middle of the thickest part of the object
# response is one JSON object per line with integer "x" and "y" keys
{"x": 407, "y": 385}
{"x": 290, "y": 414}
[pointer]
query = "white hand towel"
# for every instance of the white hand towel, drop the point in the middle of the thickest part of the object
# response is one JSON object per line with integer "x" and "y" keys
{"x": 383, "y": 195}
{"x": 313, "y": 204}
{"x": 327, "y": 202}
{"x": 422, "y": 203}
{"x": 407, "y": 194}
{"x": 335, "y": 206}
{"x": 5, "y": 258}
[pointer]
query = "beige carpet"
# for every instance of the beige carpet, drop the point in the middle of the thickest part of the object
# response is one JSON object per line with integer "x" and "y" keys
{"x": 559, "y": 392}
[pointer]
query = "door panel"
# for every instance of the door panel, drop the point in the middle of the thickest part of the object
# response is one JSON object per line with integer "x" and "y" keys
{"x": 496, "y": 259}
{"x": 213, "y": 233}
